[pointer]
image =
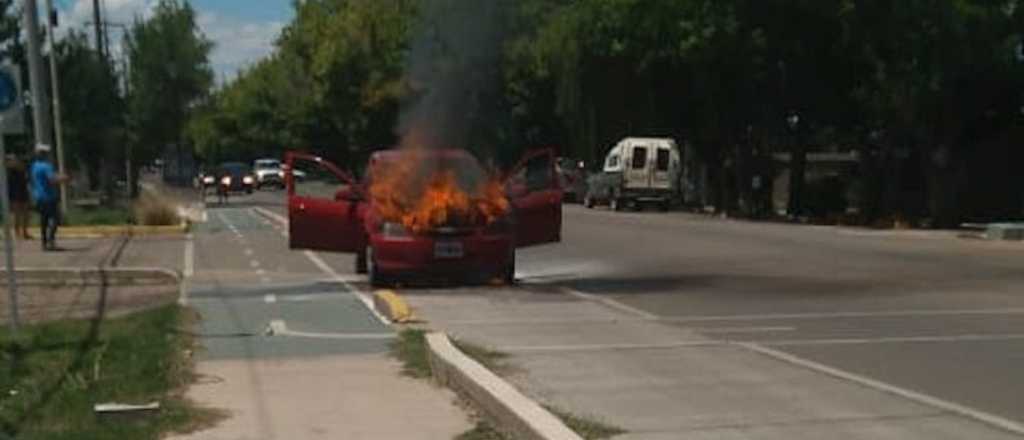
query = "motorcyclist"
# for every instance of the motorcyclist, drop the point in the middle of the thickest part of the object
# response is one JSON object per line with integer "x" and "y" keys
{"x": 223, "y": 185}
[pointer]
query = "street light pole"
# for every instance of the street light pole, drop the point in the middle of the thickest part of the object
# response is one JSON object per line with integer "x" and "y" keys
{"x": 57, "y": 118}
{"x": 797, "y": 165}
{"x": 40, "y": 107}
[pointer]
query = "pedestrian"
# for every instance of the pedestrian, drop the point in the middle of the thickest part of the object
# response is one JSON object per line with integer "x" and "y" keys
{"x": 44, "y": 181}
{"x": 17, "y": 192}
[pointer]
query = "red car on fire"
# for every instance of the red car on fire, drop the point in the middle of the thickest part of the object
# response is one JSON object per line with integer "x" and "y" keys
{"x": 428, "y": 214}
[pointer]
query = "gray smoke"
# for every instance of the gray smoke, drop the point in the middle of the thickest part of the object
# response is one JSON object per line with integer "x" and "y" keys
{"x": 454, "y": 69}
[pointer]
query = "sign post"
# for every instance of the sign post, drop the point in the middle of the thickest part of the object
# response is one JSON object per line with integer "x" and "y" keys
{"x": 9, "y": 97}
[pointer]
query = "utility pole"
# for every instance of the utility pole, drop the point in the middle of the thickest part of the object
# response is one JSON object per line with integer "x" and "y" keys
{"x": 58, "y": 123}
{"x": 40, "y": 104}
{"x": 97, "y": 22}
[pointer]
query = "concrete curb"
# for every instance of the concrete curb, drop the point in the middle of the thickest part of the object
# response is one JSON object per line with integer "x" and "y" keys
{"x": 119, "y": 230}
{"x": 392, "y": 306}
{"x": 511, "y": 411}
{"x": 121, "y": 276}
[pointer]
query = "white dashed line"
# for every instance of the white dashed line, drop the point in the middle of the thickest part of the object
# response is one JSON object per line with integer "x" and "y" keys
{"x": 254, "y": 264}
{"x": 270, "y": 298}
{"x": 248, "y": 252}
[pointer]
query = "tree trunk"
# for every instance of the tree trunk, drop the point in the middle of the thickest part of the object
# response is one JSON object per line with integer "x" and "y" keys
{"x": 797, "y": 168}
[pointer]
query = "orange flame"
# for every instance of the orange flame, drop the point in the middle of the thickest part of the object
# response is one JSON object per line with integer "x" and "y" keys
{"x": 408, "y": 191}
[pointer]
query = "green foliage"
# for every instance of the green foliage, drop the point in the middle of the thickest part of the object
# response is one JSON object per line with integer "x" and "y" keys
{"x": 349, "y": 76}
{"x": 170, "y": 74}
{"x": 411, "y": 349}
{"x": 52, "y": 375}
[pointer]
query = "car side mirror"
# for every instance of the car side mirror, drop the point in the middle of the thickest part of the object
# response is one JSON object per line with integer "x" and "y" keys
{"x": 349, "y": 193}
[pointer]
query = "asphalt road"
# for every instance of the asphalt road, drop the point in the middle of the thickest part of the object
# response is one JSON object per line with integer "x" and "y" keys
{"x": 921, "y": 313}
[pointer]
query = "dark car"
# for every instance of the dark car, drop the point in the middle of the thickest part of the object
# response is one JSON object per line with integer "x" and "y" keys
{"x": 572, "y": 176}
{"x": 238, "y": 177}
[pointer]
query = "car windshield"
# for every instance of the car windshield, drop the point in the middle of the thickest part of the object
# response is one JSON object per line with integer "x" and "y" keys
{"x": 234, "y": 168}
{"x": 267, "y": 164}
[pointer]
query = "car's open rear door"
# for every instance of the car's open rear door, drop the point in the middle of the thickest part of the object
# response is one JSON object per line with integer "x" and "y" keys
{"x": 536, "y": 199}
{"x": 325, "y": 208}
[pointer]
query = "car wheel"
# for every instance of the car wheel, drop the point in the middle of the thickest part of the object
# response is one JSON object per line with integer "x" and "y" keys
{"x": 508, "y": 274}
{"x": 588, "y": 202}
{"x": 376, "y": 279}
{"x": 361, "y": 266}
{"x": 664, "y": 206}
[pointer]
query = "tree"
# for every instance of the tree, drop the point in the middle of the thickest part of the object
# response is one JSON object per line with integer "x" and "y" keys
{"x": 170, "y": 75}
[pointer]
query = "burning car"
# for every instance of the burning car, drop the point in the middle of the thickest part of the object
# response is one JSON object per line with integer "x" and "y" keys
{"x": 429, "y": 213}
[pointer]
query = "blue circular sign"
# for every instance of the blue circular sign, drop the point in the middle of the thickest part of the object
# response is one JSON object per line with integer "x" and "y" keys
{"x": 8, "y": 91}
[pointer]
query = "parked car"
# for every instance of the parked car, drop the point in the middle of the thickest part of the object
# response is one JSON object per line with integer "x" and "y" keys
{"x": 390, "y": 251}
{"x": 236, "y": 176}
{"x": 572, "y": 176}
{"x": 637, "y": 171}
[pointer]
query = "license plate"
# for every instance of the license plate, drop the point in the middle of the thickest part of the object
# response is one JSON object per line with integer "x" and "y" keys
{"x": 448, "y": 249}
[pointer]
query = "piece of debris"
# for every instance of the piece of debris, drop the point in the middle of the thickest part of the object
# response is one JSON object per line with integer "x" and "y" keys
{"x": 123, "y": 408}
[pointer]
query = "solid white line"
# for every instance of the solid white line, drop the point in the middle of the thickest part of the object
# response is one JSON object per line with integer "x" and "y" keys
{"x": 897, "y": 340}
{"x": 365, "y": 298}
{"x": 575, "y": 321}
{"x": 327, "y": 269}
{"x": 860, "y": 314}
{"x": 611, "y": 347}
{"x": 270, "y": 298}
{"x": 610, "y": 303}
{"x": 188, "y": 269}
{"x": 934, "y": 402}
{"x": 278, "y": 327}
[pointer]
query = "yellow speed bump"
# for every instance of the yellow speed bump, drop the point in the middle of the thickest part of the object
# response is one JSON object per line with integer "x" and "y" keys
{"x": 392, "y": 306}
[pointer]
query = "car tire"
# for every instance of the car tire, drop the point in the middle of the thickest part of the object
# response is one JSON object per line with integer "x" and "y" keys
{"x": 361, "y": 263}
{"x": 376, "y": 278}
{"x": 508, "y": 274}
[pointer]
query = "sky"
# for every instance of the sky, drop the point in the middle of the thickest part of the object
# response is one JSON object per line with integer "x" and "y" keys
{"x": 242, "y": 30}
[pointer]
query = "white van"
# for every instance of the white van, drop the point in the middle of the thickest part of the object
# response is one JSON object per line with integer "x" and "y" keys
{"x": 637, "y": 171}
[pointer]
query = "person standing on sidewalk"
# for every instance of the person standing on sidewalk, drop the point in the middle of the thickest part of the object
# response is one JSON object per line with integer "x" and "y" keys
{"x": 17, "y": 191}
{"x": 44, "y": 181}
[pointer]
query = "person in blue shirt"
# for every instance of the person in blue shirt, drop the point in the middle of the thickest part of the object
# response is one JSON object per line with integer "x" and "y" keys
{"x": 43, "y": 180}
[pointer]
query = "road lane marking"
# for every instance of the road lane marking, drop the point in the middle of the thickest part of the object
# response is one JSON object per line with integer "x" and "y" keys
{"x": 270, "y": 298}
{"x": 362, "y": 296}
{"x": 248, "y": 252}
{"x": 327, "y": 269}
{"x": 261, "y": 272}
{"x": 188, "y": 269}
{"x": 830, "y": 315}
{"x": 497, "y": 322}
{"x": 696, "y": 343}
{"x": 610, "y": 303}
{"x": 934, "y": 402}
{"x": 278, "y": 327}
{"x": 255, "y": 264}
{"x": 897, "y": 340}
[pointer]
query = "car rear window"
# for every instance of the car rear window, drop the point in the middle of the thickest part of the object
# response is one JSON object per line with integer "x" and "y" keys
{"x": 663, "y": 159}
{"x": 639, "y": 158}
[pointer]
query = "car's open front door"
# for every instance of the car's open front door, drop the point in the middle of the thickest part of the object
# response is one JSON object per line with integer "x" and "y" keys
{"x": 325, "y": 207}
{"x": 536, "y": 199}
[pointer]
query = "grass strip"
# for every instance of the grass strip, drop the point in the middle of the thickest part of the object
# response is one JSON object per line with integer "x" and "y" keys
{"x": 52, "y": 375}
{"x": 411, "y": 349}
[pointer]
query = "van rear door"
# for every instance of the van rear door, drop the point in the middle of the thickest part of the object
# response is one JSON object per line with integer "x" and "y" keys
{"x": 638, "y": 169}
{"x": 661, "y": 175}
